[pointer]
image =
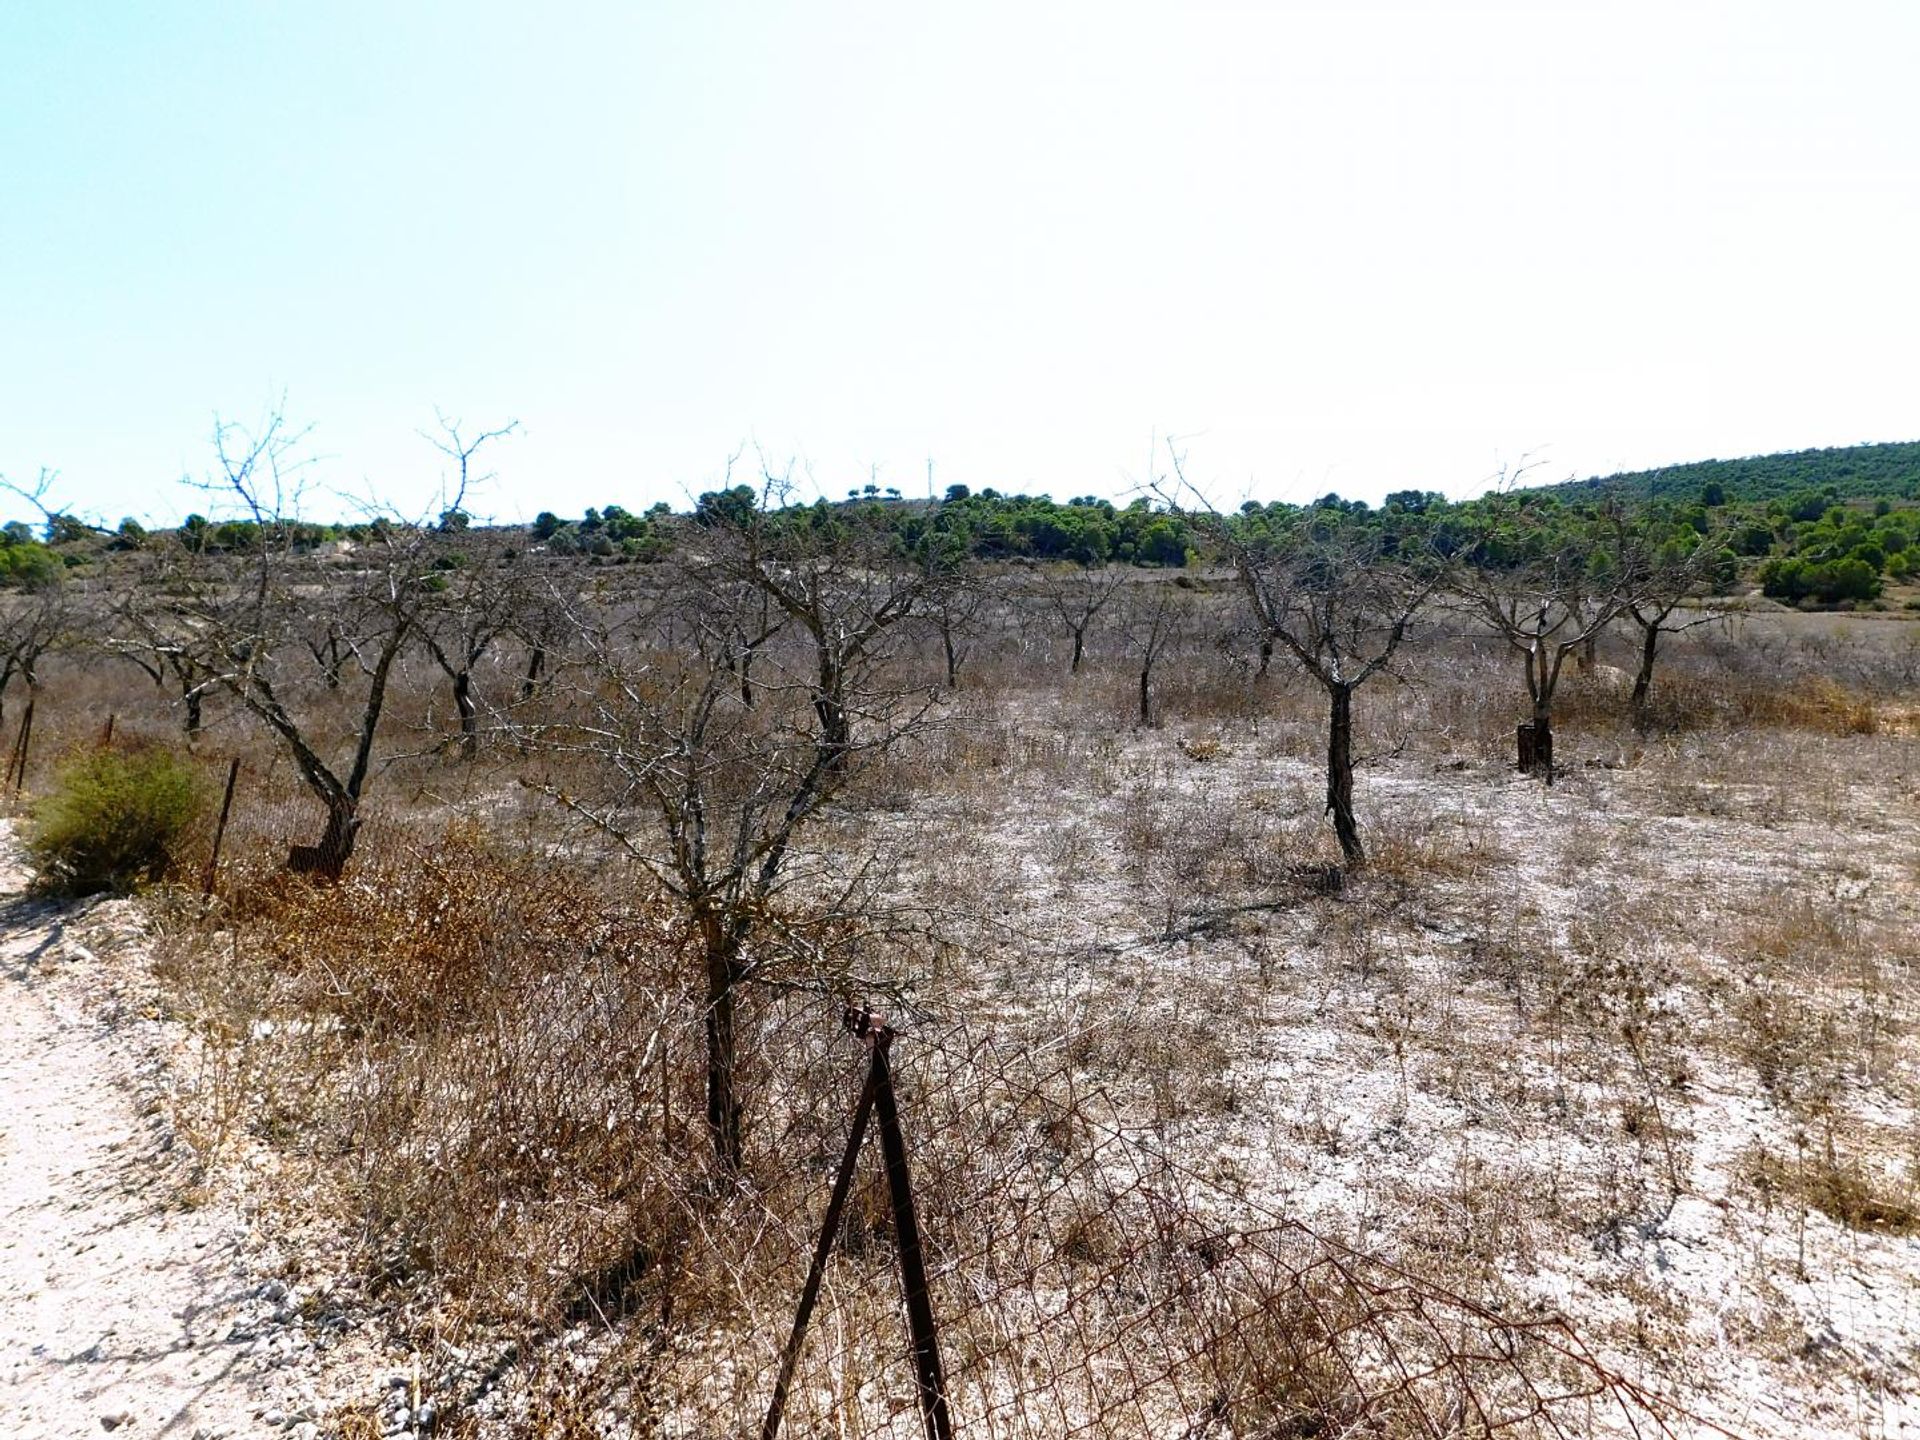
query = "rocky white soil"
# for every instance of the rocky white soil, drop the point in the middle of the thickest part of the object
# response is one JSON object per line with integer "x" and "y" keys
{"x": 129, "y": 1302}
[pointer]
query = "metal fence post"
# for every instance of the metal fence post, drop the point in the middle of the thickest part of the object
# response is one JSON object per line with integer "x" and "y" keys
{"x": 913, "y": 1270}
{"x": 829, "y": 1228}
{"x": 17, "y": 771}
{"x": 875, "y": 1094}
{"x": 220, "y": 830}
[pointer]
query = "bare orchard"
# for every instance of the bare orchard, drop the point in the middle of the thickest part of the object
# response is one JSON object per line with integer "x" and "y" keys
{"x": 1493, "y": 1105}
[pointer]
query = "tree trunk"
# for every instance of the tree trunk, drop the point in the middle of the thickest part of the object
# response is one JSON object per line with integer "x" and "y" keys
{"x": 1643, "y": 681}
{"x": 953, "y": 659}
{"x": 724, "y": 1105}
{"x": 1146, "y": 696}
{"x": 1536, "y": 744}
{"x": 1079, "y": 644}
{"x": 1536, "y": 737}
{"x": 536, "y": 667}
{"x": 332, "y": 662}
{"x": 836, "y": 726}
{"x": 328, "y": 859}
{"x": 193, "y": 721}
{"x": 469, "y": 714}
{"x": 1340, "y": 773}
{"x": 1266, "y": 657}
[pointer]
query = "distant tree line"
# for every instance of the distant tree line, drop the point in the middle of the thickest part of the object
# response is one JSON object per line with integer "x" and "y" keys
{"x": 1829, "y": 527}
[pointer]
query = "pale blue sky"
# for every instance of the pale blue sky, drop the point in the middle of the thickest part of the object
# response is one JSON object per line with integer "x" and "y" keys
{"x": 1350, "y": 246}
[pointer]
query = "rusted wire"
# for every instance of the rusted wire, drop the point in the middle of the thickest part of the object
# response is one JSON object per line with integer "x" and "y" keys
{"x": 1089, "y": 1284}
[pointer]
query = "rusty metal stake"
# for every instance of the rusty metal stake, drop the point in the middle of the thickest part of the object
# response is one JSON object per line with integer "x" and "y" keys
{"x": 17, "y": 773}
{"x": 830, "y": 1227}
{"x": 220, "y": 830}
{"x": 876, "y": 1093}
{"x": 913, "y": 1270}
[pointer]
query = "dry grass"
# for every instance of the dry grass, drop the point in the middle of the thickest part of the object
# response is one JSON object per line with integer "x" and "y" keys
{"x": 468, "y": 1100}
{"x": 1839, "y": 1184}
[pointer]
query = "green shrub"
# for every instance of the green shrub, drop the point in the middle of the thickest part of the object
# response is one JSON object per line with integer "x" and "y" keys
{"x": 1828, "y": 582}
{"x": 113, "y": 820}
{"x": 28, "y": 564}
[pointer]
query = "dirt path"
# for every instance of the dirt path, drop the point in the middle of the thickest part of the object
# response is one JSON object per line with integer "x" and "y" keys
{"x": 124, "y": 1306}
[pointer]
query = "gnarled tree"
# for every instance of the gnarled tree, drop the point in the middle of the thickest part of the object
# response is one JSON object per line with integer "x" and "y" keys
{"x": 1338, "y": 596}
{"x": 239, "y": 622}
{"x": 1546, "y": 580}
{"x": 1669, "y": 564}
{"x": 138, "y": 631}
{"x": 33, "y": 621}
{"x": 1077, "y": 595}
{"x": 1153, "y": 615}
{"x": 715, "y": 789}
{"x": 471, "y": 606}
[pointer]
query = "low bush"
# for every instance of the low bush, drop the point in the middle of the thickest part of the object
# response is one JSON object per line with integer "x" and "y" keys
{"x": 114, "y": 819}
{"x": 1827, "y": 582}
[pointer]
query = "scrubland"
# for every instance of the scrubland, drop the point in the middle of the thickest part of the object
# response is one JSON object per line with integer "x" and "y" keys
{"x": 1210, "y": 1136}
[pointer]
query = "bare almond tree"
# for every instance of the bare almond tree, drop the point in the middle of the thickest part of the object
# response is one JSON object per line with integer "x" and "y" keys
{"x": 239, "y": 622}
{"x": 468, "y": 612}
{"x": 541, "y": 626}
{"x": 754, "y": 622}
{"x": 137, "y": 629}
{"x": 471, "y": 606}
{"x": 716, "y": 789}
{"x": 326, "y": 639}
{"x": 1077, "y": 595}
{"x": 1336, "y": 598}
{"x": 1153, "y": 614}
{"x": 33, "y": 623}
{"x": 955, "y": 603}
{"x": 1547, "y": 583}
{"x": 40, "y": 612}
{"x": 1335, "y": 593}
{"x": 1670, "y": 567}
{"x": 839, "y": 583}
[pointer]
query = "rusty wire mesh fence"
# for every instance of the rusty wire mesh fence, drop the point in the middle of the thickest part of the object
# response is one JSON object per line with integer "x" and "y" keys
{"x": 1080, "y": 1282}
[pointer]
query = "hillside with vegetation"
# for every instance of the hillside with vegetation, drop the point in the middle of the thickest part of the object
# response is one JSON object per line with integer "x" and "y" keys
{"x": 1849, "y": 472}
